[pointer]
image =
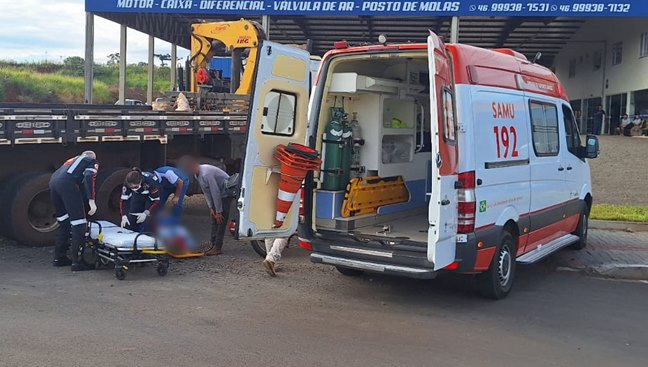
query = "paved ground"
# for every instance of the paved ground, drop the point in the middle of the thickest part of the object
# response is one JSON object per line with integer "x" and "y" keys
{"x": 620, "y": 173}
{"x": 610, "y": 253}
{"x": 227, "y": 311}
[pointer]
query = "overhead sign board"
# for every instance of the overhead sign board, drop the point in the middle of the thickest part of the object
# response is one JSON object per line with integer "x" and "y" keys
{"x": 526, "y": 8}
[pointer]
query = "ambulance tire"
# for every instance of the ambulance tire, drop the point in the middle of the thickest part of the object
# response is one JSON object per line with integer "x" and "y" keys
{"x": 259, "y": 248}
{"x": 349, "y": 272}
{"x": 28, "y": 215}
{"x": 109, "y": 184}
{"x": 581, "y": 230}
{"x": 497, "y": 282}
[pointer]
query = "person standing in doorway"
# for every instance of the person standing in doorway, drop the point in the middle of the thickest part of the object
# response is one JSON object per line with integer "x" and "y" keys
{"x": 213, "y": 182}
{"x": 599, "y": 120}
{"x": 274, "y": 247}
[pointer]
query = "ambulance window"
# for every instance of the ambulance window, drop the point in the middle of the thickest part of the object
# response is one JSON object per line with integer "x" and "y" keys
{"x": 448, "y": 116}
{"x": 279, "y": 113}
{"x": 573, "y": 136}
{"x": 544, "y": 126}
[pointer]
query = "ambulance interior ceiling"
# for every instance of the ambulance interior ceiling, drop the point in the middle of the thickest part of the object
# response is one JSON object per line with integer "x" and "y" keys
{"x": 524, "y": 34}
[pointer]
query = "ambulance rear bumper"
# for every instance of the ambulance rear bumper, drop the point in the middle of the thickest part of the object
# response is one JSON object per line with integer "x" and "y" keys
{"x": 374, "y": 267}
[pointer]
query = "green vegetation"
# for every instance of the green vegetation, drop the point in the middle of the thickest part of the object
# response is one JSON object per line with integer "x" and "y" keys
{"x": 47, "y": 82}
{"x": 620, "y": 212}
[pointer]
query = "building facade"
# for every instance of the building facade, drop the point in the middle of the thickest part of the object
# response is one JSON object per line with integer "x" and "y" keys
{"x": 606, "y": 63}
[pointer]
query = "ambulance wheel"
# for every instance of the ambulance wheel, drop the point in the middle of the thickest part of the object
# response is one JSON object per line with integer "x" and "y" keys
{"x": 27, "y": 213}
{"x": 109, "y": 185}
{"x": 349, "y": 272}
{"x": 259, "y": 248}
{"x": 497, "y": 282}
{"x": 162, "y": 269}
{"x": 581, "y": 230}
{"x": 120, "y": 274}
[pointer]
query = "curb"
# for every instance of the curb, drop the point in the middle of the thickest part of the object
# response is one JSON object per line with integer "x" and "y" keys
{"x": 612, "y": 225}
{"x": 621, "y": 271}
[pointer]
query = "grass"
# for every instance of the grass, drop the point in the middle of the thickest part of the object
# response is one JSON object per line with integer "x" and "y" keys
{"x": 29, "y": 86}
{"x": 626, "y": 213}
{"x": 47, "y": 82}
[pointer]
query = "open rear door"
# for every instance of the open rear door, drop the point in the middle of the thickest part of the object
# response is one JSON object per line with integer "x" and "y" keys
{"x": 443, "y": 199}
{"x": 278, "y": 115}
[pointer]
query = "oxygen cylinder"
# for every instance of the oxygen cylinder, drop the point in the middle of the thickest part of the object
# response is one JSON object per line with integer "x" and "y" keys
{"x": 334, "y": 152}
{"x": 347, "y": 154}
{"x": 356, "y": 133}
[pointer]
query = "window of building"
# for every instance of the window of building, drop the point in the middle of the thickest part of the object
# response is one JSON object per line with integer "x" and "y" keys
{"x": 279, "y": 113}
{"x": 617, "y": 53}
{"x": 544, "y": 128}
{"x": 597, "y": 60}
{"x": 643, "y": 46}
{"x": 572, "y": 68}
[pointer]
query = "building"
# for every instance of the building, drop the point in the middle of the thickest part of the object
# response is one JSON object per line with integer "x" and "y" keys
{"x": 606, "y": 63}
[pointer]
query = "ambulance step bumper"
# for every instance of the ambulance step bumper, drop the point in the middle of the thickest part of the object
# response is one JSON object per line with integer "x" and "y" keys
{"x": 374, "y": 267}
{"x": 543, "y": 251}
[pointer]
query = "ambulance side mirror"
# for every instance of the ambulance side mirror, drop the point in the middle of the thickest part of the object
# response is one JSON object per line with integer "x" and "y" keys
{"x": 591, "y": 147}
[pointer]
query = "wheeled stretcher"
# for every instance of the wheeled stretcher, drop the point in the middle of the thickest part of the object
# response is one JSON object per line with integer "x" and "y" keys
{"x": 109, "y": 244}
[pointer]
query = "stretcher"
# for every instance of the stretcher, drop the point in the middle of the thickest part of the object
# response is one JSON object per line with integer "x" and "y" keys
{"x": 108, "y": 244}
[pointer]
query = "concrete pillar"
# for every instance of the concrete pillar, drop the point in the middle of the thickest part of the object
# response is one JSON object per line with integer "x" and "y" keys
{"x": 454, "y": 30}
{"x": 174, "y": 67}
{"x": 89, "y": 57}
{"x": 151, "y": 70}
{"x": 122, "y": 64}
{"x": 265, "y": 24}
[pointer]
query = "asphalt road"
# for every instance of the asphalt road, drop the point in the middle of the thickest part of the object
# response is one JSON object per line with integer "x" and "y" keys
{"x": 226, "y": 311}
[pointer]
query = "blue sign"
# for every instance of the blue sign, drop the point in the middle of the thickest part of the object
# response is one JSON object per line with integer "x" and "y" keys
{"x": 526, "y": 8}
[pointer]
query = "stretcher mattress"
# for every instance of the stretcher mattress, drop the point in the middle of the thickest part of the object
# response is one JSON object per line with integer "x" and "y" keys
{"x": 121, "y": 239}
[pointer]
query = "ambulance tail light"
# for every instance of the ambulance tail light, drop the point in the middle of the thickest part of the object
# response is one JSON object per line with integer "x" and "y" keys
{"x": 340, "y": 45}
{"x": 467, "y": 205}
{"x": 305, "y": 244}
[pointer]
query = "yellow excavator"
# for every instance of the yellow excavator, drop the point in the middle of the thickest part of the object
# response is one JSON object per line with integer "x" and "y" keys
{"x": 235, "y": 38}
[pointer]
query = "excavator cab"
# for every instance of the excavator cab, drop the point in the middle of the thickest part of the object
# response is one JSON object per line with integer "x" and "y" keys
{"x": 240, "y": 40}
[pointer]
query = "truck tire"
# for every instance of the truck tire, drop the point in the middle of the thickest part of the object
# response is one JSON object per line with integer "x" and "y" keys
{"x": 109, "y": 185}
{"x": 497, "y": 281}
{"x": 28, "y": 215}
{"x": 582, "y": 229}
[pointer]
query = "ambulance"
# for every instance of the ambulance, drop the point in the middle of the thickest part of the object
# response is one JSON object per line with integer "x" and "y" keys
{"x": 435, "y": 158}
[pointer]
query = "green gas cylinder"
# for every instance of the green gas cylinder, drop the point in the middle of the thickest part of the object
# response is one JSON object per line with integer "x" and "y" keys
{"x": 338, "y": 149}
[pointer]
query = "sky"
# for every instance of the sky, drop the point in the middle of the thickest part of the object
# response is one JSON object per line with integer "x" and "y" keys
{"x": 37, "y": 30}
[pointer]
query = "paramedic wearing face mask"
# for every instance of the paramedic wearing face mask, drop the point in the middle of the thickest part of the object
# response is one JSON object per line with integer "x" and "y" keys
{"x": 70, "y": 186}
{"x": 213, "y": 183}
{"x": 139, "y": 200}
{"x": 173, "y": 181}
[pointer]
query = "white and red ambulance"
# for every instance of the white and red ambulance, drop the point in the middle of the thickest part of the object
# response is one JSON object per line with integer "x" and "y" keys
{"x": 485, "y": 142}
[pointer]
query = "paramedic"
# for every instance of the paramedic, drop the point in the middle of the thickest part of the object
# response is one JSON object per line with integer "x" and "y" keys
{"x": 173, "y": 181}
{"x": 139, "y": 200}
{"x": 70, "y": 186}
{"x": 274, "y": 247}
{"x": 213, "y": 182}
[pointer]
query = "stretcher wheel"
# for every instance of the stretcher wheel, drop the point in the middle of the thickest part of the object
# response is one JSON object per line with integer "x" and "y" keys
{"x": 162, "y": 269}
{"x": 120, "y": 274}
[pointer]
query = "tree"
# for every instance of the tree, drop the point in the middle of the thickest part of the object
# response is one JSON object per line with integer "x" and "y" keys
{"x": 163, "y": 58}
{"x": 74, "y": 66}
{"x": 113, "y": 59}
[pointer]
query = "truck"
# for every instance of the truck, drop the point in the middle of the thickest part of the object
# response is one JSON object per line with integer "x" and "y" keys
{"x": 35, "y": 139}
{"x": 436, "y": 158}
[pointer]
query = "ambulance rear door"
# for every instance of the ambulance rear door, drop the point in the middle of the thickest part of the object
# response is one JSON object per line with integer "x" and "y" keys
{"x": 278, "y": 115}
{"x": 442, "y": 214}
